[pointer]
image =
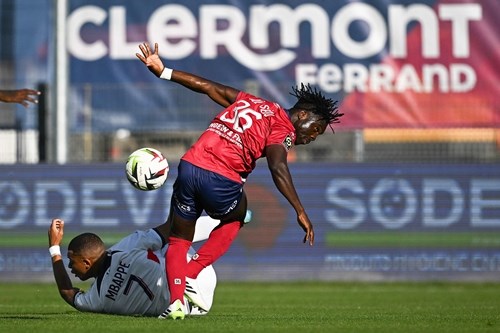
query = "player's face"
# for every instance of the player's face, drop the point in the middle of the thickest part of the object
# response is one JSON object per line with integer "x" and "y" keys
{"x": 79, "y": 265}
{"x": 308, "y": 127}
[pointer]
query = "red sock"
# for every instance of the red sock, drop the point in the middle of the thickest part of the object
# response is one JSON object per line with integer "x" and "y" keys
{"x": 217, "y": 244}
{"x": 175, "y": 266}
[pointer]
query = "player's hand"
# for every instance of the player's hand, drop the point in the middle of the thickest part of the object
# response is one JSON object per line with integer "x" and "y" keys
{"x": 21, "y": 96}
{"x": 56, "y": 232}
{"x": 151, "y": 59}
{"x": 307, "y": 226}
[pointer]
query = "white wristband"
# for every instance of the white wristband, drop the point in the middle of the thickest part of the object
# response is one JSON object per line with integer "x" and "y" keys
{"x": 166, "y": 74}
{"x": 55, "y": 250}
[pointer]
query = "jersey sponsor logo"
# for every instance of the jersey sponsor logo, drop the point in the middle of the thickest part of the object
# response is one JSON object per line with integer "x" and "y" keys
{"x": 288, "y": 142}
{"x": 223, "y": 131}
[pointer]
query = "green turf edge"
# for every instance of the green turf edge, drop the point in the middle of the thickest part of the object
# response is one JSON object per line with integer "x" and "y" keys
{"x": 333, "y": 239}
{"x": 396, "y": 239}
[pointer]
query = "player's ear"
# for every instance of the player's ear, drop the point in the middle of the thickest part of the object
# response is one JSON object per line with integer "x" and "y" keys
{"x": 303, "y": 114}
{"x": 87, "y": 262}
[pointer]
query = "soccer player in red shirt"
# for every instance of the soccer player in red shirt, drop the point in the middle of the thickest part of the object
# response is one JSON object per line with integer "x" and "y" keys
{"x": 213, "y": 171}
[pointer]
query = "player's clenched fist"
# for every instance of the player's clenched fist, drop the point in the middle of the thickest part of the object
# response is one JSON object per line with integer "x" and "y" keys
{"x": 56, "y": 232}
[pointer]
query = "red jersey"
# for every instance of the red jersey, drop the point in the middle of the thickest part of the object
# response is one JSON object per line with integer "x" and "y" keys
{"x": 238, "y": 135}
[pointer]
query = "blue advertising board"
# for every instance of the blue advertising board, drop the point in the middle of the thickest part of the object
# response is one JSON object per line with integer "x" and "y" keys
{"x": 431, "y": 220}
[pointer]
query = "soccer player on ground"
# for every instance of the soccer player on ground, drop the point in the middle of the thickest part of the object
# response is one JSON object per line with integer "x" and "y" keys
{"x": 212, "y": 172}
{"x": 21, "y": 96}
{"x": 130, "y": 277}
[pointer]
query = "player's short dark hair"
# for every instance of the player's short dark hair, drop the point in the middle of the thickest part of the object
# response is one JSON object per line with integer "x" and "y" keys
{"x": 312, "y": 100}
{"x": 85, "y": 242}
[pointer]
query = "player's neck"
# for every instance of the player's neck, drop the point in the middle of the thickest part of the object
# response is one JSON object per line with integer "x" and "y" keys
{"x": 101, "y": 264}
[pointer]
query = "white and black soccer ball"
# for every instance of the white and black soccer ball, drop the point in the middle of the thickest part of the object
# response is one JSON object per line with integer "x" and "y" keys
{"x": 147, "y": 169}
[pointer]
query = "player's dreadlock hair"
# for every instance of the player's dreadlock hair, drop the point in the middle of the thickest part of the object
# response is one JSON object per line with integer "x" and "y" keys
{"x": 85, "y": 242}
{"x": 311, "y": 99}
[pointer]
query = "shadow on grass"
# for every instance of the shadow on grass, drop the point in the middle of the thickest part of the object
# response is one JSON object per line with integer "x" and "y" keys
{"x": 17, "y": 317}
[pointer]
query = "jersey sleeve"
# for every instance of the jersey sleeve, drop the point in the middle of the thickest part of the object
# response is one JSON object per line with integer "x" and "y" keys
{"x": 282, "y": 133}
{"x": 88, "y": 301}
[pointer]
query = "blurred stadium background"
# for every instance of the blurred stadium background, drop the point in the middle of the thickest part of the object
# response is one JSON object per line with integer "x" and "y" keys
{"x": 408, "y": 187}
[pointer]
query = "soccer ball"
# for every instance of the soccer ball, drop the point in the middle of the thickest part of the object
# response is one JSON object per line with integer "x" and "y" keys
{"x": 147, "y": 169}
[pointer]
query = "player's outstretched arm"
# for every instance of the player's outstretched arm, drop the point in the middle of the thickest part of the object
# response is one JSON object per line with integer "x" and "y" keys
{"x": 277, "y": 163}
{"x": 219, "y": 93}
{"x": 21, "y": 96}
{"x": 66, "y": 290}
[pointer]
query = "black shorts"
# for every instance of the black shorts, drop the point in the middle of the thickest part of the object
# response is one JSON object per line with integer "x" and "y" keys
{"x": 197, "y": 189}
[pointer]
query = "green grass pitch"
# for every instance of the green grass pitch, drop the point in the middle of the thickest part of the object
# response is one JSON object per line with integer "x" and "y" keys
{"x": 336, "y": 239}
{"x": 278, "y": 307}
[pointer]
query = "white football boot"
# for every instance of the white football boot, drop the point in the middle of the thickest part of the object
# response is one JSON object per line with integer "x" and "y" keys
{"x": 193, "y": 295}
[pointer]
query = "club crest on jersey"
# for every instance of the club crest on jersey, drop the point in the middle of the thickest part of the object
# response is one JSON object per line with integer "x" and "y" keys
{"x": 288, "y": 142}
